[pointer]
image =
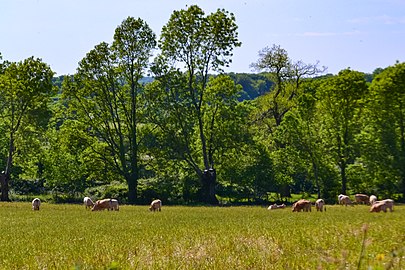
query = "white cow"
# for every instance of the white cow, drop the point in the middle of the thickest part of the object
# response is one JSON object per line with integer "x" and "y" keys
{"x": 88, "y": 203}
{"x": 345, "y": 200}
{"x": 373, "y": 199}
{"x": 155, "y": 205}
{"x": 275, "y": 206}
{"x": 319, "y": 205}
{"x": 36, "y": 203}
{"x": 114, "y": 205}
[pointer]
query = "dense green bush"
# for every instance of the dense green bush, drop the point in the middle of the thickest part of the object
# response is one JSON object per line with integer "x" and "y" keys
{"x": 114, "y": 190}
{"x": 164, "y": 188}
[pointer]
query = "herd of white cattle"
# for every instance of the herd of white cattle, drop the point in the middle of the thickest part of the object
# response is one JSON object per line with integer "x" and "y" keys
{"x": 375, "y": 206}
{"x": 301, "y": 205}
{"x": 109, "y": 204}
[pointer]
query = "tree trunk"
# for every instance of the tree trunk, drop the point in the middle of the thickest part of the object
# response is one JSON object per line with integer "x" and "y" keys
{"x": 403, "y": 187}
{"x": 5, "y": 175}
{"x": 208, "y": 187}
{"x": 133, "y": 179}
{"x": 132, "y": 188}
{"x": 315, "y": 169}
{"x": 342, "y": 163}
{"x": 343, "y": 176}
{"x": 402, "y": 152}
{"x": 4, "y": 181}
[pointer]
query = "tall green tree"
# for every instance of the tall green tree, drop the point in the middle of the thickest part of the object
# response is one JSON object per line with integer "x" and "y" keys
{"x": 106, "y": 95}
{"x": 196, "y": 44}
{"x": 287, "y": 76}
{"x": 25, "y": 91}
{"x": 384, "y": 134}
{"x": 300, "y": 132}
{"x": 341, "y": 102}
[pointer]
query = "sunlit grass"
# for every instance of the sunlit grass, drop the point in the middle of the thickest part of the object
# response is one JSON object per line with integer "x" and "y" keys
{"x": 69, "y": 237}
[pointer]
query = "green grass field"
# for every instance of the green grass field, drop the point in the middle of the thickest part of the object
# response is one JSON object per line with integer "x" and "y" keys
{"x": 69, "y": 237}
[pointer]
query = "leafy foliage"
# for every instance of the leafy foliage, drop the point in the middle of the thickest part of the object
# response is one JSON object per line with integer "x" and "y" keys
{"x": 195, "y": 108}
{"x": 25, "y": 90}
{"x": 341, "y": 103}
{"x": 105, "y": 98}
{"x": 383, "y": 138}
{"x": 181, "y": 130}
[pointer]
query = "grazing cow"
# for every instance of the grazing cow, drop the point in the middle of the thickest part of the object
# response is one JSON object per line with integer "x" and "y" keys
{"x": 361, "y": 198}
{"x": 275, "y": 206}
{"x": 383, "y": 205}
{"x": 36, "y": 203}
{"x": 114, "y": 205}
{"x": 373, "y": 199}
{"x": 155, "y": 205}
{"x": 109, "y": 204}
{"x": 302, "y": 204}
{"x": 88, "y": 203}
{"x": 319, "y": 205}
{"x": 345, "y": 200}
{"x": 378, "y": 206}
{"x": 389, "y": 204}
{"x": 340, "y": 197}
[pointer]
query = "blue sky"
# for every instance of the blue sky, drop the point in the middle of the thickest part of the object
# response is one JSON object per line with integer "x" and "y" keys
{"x": 358, "y": 34}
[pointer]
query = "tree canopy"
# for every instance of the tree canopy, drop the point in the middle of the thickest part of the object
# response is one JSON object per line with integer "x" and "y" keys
{"x": 148, "y": 117}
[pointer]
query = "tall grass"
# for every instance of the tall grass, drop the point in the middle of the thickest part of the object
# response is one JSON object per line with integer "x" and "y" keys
{"x": 69, "y": 237}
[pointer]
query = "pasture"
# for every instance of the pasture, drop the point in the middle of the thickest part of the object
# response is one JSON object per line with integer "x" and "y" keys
{"x": 66, "y": 236}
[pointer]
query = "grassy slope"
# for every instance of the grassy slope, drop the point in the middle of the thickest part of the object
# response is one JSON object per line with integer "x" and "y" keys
{"x": 68, "y": 237}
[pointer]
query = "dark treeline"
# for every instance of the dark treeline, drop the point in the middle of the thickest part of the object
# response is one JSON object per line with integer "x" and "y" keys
{"x": 130, "y": 126}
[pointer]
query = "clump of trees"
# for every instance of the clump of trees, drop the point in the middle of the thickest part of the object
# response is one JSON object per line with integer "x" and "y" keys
{"x": 193, "y": 133}
{"x": 25, "y": 88}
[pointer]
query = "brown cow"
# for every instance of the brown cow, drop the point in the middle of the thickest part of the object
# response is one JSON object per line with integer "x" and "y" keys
{"x": 302, "y": 204}
{"x": 155, "y": 205}
{"x": 378, "y": 206}
{"x": 109, "y": 204}
{"x": 345, "y": 200}
{"x": 389, "y": 204}
{"x": 319, "y": 205}
{"x": 361, "y": 198}
{"x": 383, "y": 205}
